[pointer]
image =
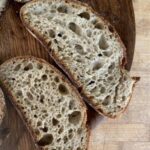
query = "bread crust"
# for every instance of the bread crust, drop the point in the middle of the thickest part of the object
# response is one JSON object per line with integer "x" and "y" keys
{"x": 2, "y": 106}
{"x": 62, "y": 65}
{"x": 19, "y": 110}
{"x": 22, "y": 1}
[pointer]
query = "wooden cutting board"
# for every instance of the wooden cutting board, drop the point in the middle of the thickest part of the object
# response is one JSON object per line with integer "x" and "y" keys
{"x": 15, "y": 41}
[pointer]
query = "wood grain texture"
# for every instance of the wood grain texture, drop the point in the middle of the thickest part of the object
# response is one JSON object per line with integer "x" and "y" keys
{"x": 129, "y": 132}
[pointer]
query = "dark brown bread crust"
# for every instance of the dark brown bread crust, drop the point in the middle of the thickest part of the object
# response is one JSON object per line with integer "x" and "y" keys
{"x": 2, "y": 106}
{"x": 19, "y": 110}
{"x": 62, "y": 65}
{"x": 22, "y": 1}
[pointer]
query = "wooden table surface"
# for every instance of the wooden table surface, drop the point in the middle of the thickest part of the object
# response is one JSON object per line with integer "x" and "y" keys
{"x": 129, "y": 132}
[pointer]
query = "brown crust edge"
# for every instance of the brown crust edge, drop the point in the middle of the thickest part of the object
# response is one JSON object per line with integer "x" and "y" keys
{"x": 22, "y": 2}
{"x": 3, "y": 106}
{"x": 63, "y": 66}
{"x": 19, "y": 110}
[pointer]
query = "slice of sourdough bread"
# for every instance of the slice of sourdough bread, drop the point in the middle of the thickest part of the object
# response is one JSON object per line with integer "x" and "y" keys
{"x": 51, "y": 107}
{"x": 86, "y": 47}
{"x": 2, "y": 106}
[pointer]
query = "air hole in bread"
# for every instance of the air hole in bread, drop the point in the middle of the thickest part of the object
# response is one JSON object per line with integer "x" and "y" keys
{"x": 123, "y": 98}
{"x": 79, "y": 60}
{"x": 42, "y": 99}
{"x": 79, "y": 131}
{"x": 53, "y": 11}
{"x": 91, "y": 82}
{"x": 94, "y": 21}
{"x": 65, "y": 139}
{"x": 112, "y": 66}
{"x": 44, "y": 77}
{"x": 39, "y": 66}
{"x": 35, "y": 116}
{"x": 59, "y": 139}
{"x": 28, "y": 67}
{"x": 111, "y": 29}
{"x": 125, "y": 78}
{"x": 75, "y": 117}
{"x": 70, "y": 132}
{"x": 100, "y": 55}
{"x": 55, "y": 122}
{"x": 29, "y": 75}
{"x": 37, "y": 132}
{"x": 75, "y": 28}
{"x": 60, "y": 100}
{"x": 79, "y": 148}
{"x": 17, "y": 67}
{"x": 99, "y": 26}
{"x": 51, "y": 71}
{"x": 85, "y": 15}
{"x": 64, "y": 37}
{"x": 62, "y": 9}
{"x": 44, "y": 111}
{"x": 37, "y": 21}
{"x": 94, "y": 90}
{"x": 29, "y": 95}
{"x": 59, "y": 116}
{"x": 50, "y": 17}
{"x": 97, "y": 65}
{"x": 46, "y": 140}
{"x": 71, "y": 104}
{"x": 110, "y": 78}
{"x": 45, "y": 129}
{"x": 107, "y": 101}
{"x": 60, "y": 130}
{"x": 56, "y": 79}
{"x": 13, "y": 79}
{"x": 60, "y": 34}
{"x": 103, "y": 90}
{"x": 63, "y": 89}
{"x": 79, "y": 49}
{"x": 52, "y": 33}
{"x": 38, "y": 11}
{"x": 59, "y": 48}
{"x": 63, "y": 110}
{"x": 89, "y": 33}
{"x": 107, "y": 53}
{"x": 19, "y": 93}
{"x": 103, "y": 43}
{"x": 95, "y": 33}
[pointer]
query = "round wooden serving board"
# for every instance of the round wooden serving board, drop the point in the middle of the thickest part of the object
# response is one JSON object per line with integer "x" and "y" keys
{"x": 15, "y": 41}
